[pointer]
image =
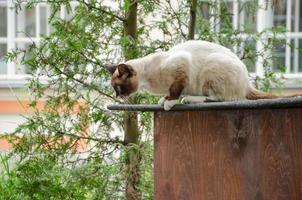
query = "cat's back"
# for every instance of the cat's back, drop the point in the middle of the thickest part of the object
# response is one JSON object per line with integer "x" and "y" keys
{"x": 201, "y": 48}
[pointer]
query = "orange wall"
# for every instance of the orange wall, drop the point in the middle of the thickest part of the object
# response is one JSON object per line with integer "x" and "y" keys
{"x": 18, "y": 107}
{"x": 22, "y": 107}
{"x": 14, "y": 107}
{"x": 4, "y": 145}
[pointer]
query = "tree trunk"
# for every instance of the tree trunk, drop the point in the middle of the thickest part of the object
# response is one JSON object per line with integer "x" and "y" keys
{"x": 192, "y": 19}
{"x": 131, "y": 130}
{"x": 130, "y": 31}
{"x": 133, "y": 156}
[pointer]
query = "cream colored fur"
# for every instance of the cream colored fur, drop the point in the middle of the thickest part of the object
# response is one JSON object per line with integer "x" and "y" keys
{"x": 206, "y": 64}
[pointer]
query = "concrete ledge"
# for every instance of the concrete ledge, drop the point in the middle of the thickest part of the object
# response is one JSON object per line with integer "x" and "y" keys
{"x": 294, "y": 102}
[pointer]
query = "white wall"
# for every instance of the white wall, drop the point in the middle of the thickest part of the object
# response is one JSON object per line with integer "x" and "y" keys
{"x": 8, "y": 122}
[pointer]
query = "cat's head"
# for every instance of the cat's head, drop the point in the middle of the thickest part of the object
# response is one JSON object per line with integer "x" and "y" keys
{"x": 124, "y": 79}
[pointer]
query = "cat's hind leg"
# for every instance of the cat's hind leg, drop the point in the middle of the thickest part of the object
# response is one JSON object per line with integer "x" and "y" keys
{"x": 224, "y": 78}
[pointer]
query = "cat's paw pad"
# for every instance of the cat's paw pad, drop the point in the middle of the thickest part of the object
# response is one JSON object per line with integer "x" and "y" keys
{"x": 192, "y": 99}
{"x": 168, "y": 104}
{"x": 162, "y": 101}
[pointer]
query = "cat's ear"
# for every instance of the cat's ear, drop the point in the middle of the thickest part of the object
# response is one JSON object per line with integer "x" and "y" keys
{"x": 124, "y": 69}
{"x": 111, "y": 67}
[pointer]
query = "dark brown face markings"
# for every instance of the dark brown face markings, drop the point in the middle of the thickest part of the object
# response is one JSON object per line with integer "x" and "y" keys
{"x": 125, "y": 70}
{"x": 124, "y": 80}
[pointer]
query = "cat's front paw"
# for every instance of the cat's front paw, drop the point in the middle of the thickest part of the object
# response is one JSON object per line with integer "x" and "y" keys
{"x": 185, "y": 100}
{"x": 162, "y": 101}
{"x": 193, "y": 99}
{"x": 168, "y": 104}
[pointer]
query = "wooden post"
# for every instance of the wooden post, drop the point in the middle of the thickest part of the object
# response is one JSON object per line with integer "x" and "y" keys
{"x": 246, "y": 154}
{"x": 246, "y": 150}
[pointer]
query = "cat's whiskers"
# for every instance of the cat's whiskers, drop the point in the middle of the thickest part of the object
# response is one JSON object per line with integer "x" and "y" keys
{"x": 131, "y": 108}
{"x": 125, "y": 100}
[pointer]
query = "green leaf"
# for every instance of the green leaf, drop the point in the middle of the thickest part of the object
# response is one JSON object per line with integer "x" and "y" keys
{"x": 126, "y": 5}
{"x": 124, "y": 41}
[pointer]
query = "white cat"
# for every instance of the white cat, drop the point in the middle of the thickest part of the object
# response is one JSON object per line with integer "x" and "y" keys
{"x": 198, "y": 70}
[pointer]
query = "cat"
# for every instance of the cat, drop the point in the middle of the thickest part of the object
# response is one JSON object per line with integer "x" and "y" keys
{"x": 198, "y": 70}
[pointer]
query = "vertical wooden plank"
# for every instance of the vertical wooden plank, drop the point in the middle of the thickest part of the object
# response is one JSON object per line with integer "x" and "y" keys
{"x": 281, "y": 148}
{"x": 246, "y": 154}
{"x": 243, "y": 133}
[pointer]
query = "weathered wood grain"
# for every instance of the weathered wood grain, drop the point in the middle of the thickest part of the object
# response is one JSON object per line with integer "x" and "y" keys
{"x": 230, "y": 154}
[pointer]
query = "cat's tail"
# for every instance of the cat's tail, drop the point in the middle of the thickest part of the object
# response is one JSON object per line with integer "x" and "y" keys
{"x": 254, "y": 94}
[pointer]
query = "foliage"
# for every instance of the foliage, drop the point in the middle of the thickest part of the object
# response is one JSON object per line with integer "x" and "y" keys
{"x": 71, "y": 149}
{"x": 41, "y": 177}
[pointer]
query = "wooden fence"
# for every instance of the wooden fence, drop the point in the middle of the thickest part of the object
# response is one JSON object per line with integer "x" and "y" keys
{"x": 234, "y": 150}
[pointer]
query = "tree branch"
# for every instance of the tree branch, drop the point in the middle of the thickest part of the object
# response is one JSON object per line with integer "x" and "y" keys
{"x": 108, "y": 12}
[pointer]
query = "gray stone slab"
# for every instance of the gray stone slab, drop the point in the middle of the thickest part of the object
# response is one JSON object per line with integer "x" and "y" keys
{"x": 294, "y": 102}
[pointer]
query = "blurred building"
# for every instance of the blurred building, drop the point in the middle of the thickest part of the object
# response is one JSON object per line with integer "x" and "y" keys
{"x": 19, "y": 30}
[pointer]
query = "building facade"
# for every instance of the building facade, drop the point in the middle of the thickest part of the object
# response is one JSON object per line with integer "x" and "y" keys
{"x": 18, "y": 30}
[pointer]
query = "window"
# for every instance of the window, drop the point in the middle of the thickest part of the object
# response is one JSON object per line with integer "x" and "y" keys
{"x": 3, "y": 35}
{"x": 19, "y": 30}
{"x": 3, "y": 51}
{"x": 287, "y": 14}
{"x": 295, "y": 38}
{"x": 245, "y": 17}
